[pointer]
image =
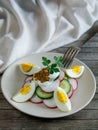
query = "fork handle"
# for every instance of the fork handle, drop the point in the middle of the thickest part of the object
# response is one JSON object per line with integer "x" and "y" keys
{"x": 87, "y": 35}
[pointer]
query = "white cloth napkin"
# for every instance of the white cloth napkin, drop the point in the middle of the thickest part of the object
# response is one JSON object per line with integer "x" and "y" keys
{"x": 32, "y": 26}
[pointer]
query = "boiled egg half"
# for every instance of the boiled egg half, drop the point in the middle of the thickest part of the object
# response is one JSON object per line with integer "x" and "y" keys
{"x": 75, "y": 71}
{"x": 61, "y": 99}
{"x": 29, "y": 68}
{"x": 25, "y": 93}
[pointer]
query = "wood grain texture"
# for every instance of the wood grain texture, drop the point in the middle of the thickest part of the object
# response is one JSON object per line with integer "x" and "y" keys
{"x": 86, "y": 119}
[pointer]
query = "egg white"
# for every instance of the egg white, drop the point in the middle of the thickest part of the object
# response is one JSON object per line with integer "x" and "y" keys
{"x": 18, "y": 97}
{"x": 71, "y": 74}
{"x": 33, "y": 70}
{"x": 62, "y": 106}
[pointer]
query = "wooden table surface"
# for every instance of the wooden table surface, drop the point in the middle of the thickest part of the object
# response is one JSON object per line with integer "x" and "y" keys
{"x": 86, "y": 119}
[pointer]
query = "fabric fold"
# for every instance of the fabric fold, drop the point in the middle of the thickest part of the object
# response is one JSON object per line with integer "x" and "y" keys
{"x": 33, "y": 26}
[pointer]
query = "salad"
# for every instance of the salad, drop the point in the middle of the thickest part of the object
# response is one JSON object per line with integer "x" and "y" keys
{"x": 51, "y": 85}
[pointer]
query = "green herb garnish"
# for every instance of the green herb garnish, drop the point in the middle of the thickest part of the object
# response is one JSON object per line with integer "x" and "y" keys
{"x": 46, "y": 61}
{"x": 53, "y": 67}
{"x": 58, "y": 60}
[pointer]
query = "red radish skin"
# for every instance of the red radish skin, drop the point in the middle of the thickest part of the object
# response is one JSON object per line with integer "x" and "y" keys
{"x": 71, "y": 93}
{"x": 36, "y": 102}
{"x": 23, "y": 84}
{"x": 28, "y": 78}
{"x": 50, "y": 103}
{"x": 74, "y": 83}
{"x": 62, "y": 75}
{"x": 35, "y": 99}
{"x": 49, "y": 106}
{"x": 61, "y": 80}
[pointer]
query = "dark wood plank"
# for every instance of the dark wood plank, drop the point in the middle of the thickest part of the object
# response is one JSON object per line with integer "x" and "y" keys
{"x": 89, "y": 114}
{"x": 44, "y": 124}
{"x": 83, "y": 50}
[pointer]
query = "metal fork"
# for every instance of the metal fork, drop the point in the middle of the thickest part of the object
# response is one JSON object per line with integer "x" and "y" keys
{"x": 72, "y": 51}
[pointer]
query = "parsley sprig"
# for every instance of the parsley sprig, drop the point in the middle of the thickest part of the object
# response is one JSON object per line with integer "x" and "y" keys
{"x": 53, "y": 67}
{"x": 46, "y": 61}
{"x": 58, "y": 60}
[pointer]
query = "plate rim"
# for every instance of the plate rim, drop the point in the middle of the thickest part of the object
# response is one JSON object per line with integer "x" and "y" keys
{"x": 52, "y": 53}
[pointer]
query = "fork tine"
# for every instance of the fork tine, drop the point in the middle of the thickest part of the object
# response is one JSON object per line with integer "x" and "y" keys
{"x": 69, "y": 56}
{"x": 68, "y": 64}
{"x": 65, "y": 57}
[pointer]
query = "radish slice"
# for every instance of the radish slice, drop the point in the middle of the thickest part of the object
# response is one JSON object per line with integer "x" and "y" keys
{"x": 70, "y": 94}
{"x": 50, "y": 103}
{"x": 28, "y": 78}
{"x": 51, "y": 87}
{"x": 24, "y": 83}
{"x": 62, "y": 75}
{"x": 74, "y": 83}
{"x": 35, "y": 99}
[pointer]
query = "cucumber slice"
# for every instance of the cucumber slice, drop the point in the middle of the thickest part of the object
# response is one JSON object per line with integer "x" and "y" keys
{"x": 42, "y": 94}
{"x": 65, "y": 85}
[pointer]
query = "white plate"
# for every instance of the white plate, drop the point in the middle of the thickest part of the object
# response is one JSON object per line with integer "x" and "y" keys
{"x": 13, "y": 79}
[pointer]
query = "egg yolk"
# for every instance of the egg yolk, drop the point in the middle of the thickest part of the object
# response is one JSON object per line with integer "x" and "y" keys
{"x": 25, "y": 90}
{"x": 76, "y": 69}
{"x": 61, "y": 96}
{"x": 27, "y": 67}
